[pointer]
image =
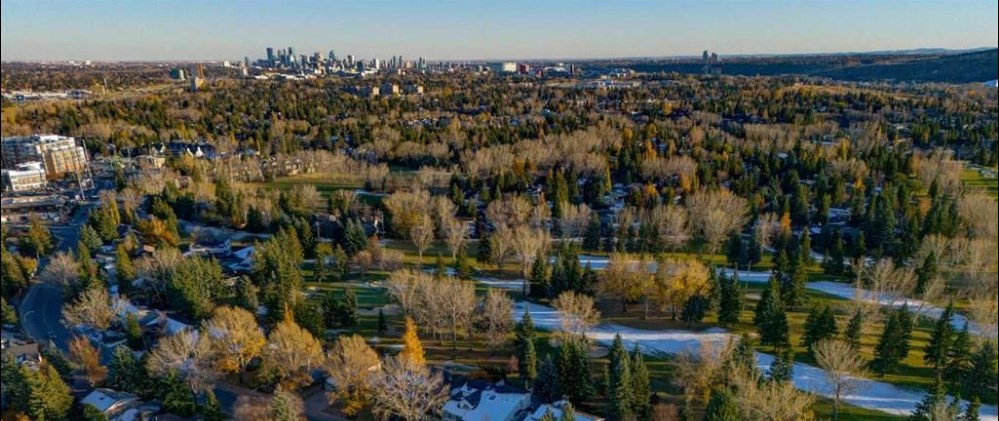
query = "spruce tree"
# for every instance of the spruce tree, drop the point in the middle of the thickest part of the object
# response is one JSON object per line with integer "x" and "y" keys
{"x": 540, "y": 279}
{"x": 973, "y": 411}
{"x": 591, "y": 237}
{"x": 462, "y": 267}
{"x": 548, "y": 387}
{"x": 620, "y": 385}
{"x": 729, "y": 300}
{"x": 938, "y": 350}
{"x": 568, "y": 413}
{"x": 981, "y": 379}
{"x": 854, "y": 330}
{"x": 722, "y": 407}
{"x": 782, "y": 369}
{"x": 695, "y": 309}
{"x": 284, "y": 406}
{"x": 348, "y": 310}
{"x": 641, "y": 386}
{"x": 382, "y": 322}
{"x": 935, "y": 406}
{"x": 819, "y": 326}
{"x": 212, "y": 410}
{"x": 894, "y": 345}
{"x": 771, "y": 318}
{"x": 959, "y": 360}
{"x": 527, "y": 353}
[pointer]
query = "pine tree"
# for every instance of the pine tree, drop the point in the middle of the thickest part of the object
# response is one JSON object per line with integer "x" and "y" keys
{"x": 176, "y": 396}
{"x": 641, "y": 386}
{"x": 939, "y": 348}
{"x": 573, "y": 362}
{"x": 212, "y": 410}
{"x": 722, "y": 407}
{"x": 620, "y": 385}
{"x": 894, "y": 344}
{"x": 854, "y": 330}
{"x": 568, "y": 413}
{"x": 355, "y": 239}
{"x": 926, "y": 272}
{"x": 462, "y": 267}
{"x": 729, "y": 301}
{"x": 782, "y": 369}
{"x": 771, "y": 318}
{"x": 348, "y": 310}
{"x": 412, "y": 348}
{"x": 382, "y": 322}
{"x": 819, "y": 326}
{"x": 540, "y": 279}
{"x": 527, "y": 353}
{"x": 591, "y": 237}
{"x": 981, "y": 379}
{"x": 959, "y": 360}
{"x": 440, "y": 270}
{"x": 90, "y": 238}
{"x": 973, "y": 411}
{"x": 935, "y": 406}
{"x": 285, "y": 406}
{"x": 548, "y": 388}
{"x": 694, "y": 310}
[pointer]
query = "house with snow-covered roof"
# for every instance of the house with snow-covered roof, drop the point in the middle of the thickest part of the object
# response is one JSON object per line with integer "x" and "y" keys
{"x": 484, "y": 401}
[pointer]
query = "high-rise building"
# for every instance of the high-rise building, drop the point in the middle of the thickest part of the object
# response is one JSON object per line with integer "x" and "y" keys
{"x": 60, "y": 155}
{"x": 271, "y": 59}
{"x": 27, "y": 177}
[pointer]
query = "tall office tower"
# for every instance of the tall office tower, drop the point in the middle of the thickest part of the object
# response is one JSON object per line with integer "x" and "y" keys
{"x": 270, "y": 56}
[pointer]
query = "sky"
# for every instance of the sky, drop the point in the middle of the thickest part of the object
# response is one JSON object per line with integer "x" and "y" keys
{"x": 139, "y": 30}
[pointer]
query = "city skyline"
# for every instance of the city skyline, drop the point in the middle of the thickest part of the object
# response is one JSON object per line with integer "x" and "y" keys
{"x": 189, "y": 30}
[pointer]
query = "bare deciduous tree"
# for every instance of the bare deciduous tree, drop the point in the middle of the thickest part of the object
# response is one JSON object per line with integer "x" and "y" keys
{"x": 422, "y": 235}
{"x": 843, "y": 365}
{"x": 457, "y": 303}
{"x": 528, "y": 244}
{"x": 888, "y": 284}
{"x": 697, "y": 374}
{"x": 578, "y": 313}
{"x": 455, "y": 234}
{"x": 62, "y": 270}
{"x": 189, "y": 354}
{"x": 497, "y": 317}
{"x": 252, "y": 408}
{"x": 979, "y": 212}
{"x": 714, "y": 215}
{"x": 770, "y": 401}
{"x": 94, "y": 308}
{"x": 510, "y": 212}
{"x": 407, "y": 391}
{"x": 502, "y": 243}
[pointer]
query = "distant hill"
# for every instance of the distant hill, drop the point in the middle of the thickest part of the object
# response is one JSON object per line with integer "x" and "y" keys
{"x": 943, "y": 67}
{"x": 961, "y": 68}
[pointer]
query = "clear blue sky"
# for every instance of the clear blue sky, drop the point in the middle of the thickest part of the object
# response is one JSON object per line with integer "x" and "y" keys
{"x": 481, "y": 29}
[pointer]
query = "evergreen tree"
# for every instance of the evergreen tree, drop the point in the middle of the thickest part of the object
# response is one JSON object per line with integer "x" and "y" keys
{"x": 695, "y": 309}
{"x": 462, "y": 267}
{"x": 91, "y": 413}
{"x": 641, "y": 386}
{"x": 894, "y": 345}
{"x": 90, "y": 238}
{"x": 348, "y": 310}
{"x": 40, "y": 393}
{"x": 285, "y": 406}
{"x": 176, "y": 396}
{"x": 382, "y": 323}
{"x": 959, "y": 360}
{"x": 935, "y": 406}
{"x": 527, "y": 353}
{"x": 735, "y": 249}
{"x": 620, "y": 384}
{"x": 548, "y": 416}
{"x": 854, "y": 330}
{"x": 134, "y": 332}
{"x": 573, "y": 363}
{"x": 355, "y": 239}
{"x": 341, "y": 264}
{"x": 9, "y": 315}
{"x": 819, "y": 326}
{"x": 547, "y": 388}
{"x": 540, "y": 278}
{"x": 771, "y": 318}
{"x": 938, "y": 349}
{"x": 973, "y": 411}
{"x": 440, "y": 270}
{"x": 485, "y": 252}
{"x": 126, "y": 373}
{"x": 926, "y": 272}
{"x": 722, "y": 407}
{"x": 729, "y": 300}
{"x": 591, "y": 237}
{"x": 981, "y": 379}
{"x": 782, "y": 369}
{"x": 754, "y": 251}
{"x": 212, "y": 410}
{"x": 568, "y": 413}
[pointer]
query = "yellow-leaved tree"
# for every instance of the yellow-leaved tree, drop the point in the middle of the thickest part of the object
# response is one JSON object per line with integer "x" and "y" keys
{"x": 412, "y": 348}
{"x": 236, "y": 338}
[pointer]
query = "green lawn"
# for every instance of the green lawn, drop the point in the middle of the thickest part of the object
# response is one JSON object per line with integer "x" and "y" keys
{"x": 975, "y": 179}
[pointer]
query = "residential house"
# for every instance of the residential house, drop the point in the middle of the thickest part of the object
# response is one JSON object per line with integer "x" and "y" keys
{"x": 120, "y": 406}
{"x": 556, "y": 409}
{"x": 483, "y": 401}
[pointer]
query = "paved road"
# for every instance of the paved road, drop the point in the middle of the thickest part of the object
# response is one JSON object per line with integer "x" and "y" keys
{"x": 41, "y": 308}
